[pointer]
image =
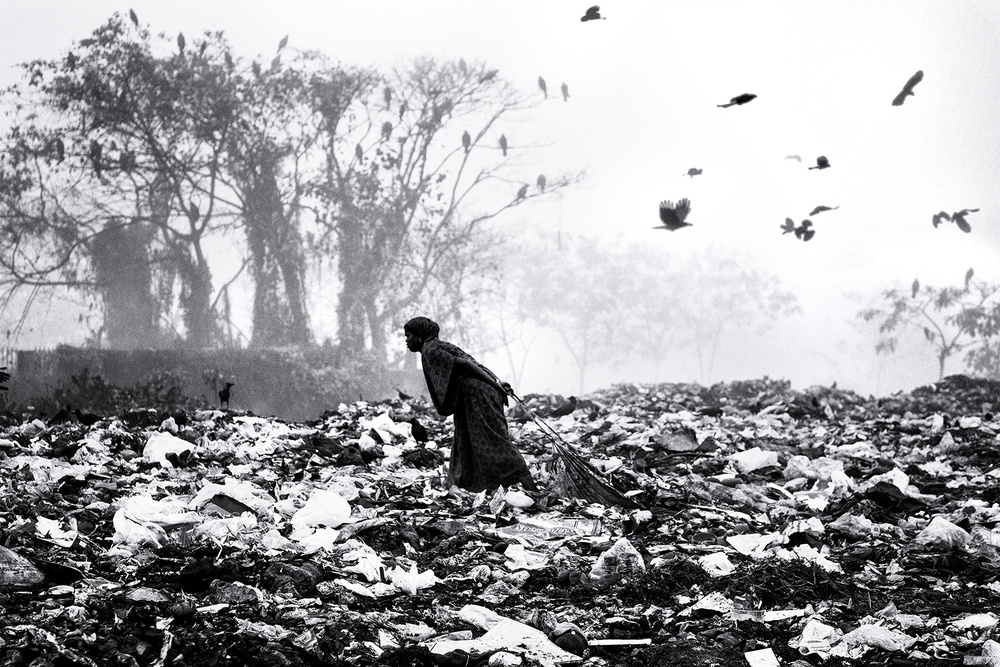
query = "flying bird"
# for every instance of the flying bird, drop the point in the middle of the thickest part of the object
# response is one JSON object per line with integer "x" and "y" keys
{"x": 135, "y": 19}
{"x": 788, "y": 227}
{"x": 541, "y": 182}
{"x": 565, "y": 92}
{"x": 820, "y": 209}
{"x": 523, "y": 192}
{"x": 739, "y": 99}
{"x": 938, "y": 217}
{"x": 673, "y": 217}
{"x": 803, "y": 231}
{"x": 914, "y": 288}
{"x": 503, "y": 144}
{"x": 692, "y": 172}
{"x": 959, "y": 219}
{"x": 466, "y": 141}
{"x": 821, "y": 163}
{"x": 794, "y": 157}
{"x": 908, "y": 89}
{"x": 593, "y": 14}
{"x": 545, "y": 89}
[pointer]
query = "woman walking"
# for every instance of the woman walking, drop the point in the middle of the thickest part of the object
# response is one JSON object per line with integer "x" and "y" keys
{"x": 482, "y": 454}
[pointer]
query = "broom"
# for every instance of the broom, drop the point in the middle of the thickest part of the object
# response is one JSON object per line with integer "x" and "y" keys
{"x": 573, "y": 473}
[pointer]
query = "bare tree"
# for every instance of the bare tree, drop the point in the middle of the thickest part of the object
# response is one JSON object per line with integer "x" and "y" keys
{"x": 404, "y": 187}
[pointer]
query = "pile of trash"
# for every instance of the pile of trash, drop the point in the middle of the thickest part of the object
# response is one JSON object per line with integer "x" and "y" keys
{"x": 765, "y": 526}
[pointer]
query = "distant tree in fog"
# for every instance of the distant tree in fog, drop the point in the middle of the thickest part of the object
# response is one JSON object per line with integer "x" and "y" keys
{"x": 611, "y": 303}
{"x": 951, "y": 319}
{"x": 722, "y": 294}
{"x": 113, "y": 152}
{"x": 404, "y": 198}
{"x": 582, "y": 290}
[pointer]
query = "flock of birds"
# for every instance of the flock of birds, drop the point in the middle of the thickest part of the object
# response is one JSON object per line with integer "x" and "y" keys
{"x": 673, "y": 216}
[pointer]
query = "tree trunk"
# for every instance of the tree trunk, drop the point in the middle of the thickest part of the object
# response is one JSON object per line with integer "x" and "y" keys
{"x": 120, "y": 257}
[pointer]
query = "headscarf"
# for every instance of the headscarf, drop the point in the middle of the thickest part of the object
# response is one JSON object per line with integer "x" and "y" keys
{"x": 423, "y": 328}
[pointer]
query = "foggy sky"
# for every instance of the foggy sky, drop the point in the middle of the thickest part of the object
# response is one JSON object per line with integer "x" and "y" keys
{"x": 644, "y": 86}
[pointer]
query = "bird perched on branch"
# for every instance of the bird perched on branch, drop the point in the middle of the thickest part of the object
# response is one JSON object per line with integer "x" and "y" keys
{"x": 180, "y": 41}
{"x": 545, "y": 89}
{"x": 386, "y": 130}
{"x": 914, "y": 288}
{"x": 565, "y": 92}
{"x": 821, "y": 163}
{"x": 522, "y": 192}
{"x": 224, "y": 395}
{"x": 541, "y": 182}
{"x": 739, "y": 100}
{"x": 672, "y": 216}
{"x": 466, "y": 141}
{"x": 503, "y": 144}
{"x": 135, "y": 19}
{"x": 593, "y": 14}
{"x": 908, "y": 89}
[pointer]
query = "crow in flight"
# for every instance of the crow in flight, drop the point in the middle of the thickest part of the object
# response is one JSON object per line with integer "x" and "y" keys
{"x": 908, "y": 89}
{"x": 803, "y": 231}
{"x": 739, "y": 99}
{"x": 794, "y": 157}
{"x": 959, "y": 219}
{"x": 593, "y": 14}
{"x": 692, "y": 172}
{"x": 788, "y": 227}
{"x": 672, "y": 216}
{"x": 820, "y": 209}
{"x": 938, "y": 217}
{"x": 821, "y": 163}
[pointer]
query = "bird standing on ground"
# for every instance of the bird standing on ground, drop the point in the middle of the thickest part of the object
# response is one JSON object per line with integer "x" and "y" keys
{"x": 503, "y": 144}
{"x": 593, "y": 14}
{"x": 821, "y": 163}
{"x": 86, "y": 418}
{"x": 739, "y": 100}
{"x": 545, "y": 89}
{"x": 224, "y": 395}
{"x": 403, "y": 396}
{"x": 418, "y": 430}
{"x": 692, "y": 172}
{"x": 61, "y": 415}
{"x": 908, "y": 89}
{"x": 564, "y": 409}
{"x": 565, "y": 92}
{"x": 672, "y": 216}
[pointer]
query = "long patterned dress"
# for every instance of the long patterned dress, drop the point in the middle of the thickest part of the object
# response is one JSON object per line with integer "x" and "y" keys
{"x": 482, "y": 454}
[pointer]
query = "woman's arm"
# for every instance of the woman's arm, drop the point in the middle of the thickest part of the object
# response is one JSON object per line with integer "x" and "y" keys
{"x": 473, "y": 370}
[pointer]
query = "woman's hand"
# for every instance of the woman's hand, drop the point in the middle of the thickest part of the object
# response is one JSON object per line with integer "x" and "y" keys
{"x": 505, "y": 390}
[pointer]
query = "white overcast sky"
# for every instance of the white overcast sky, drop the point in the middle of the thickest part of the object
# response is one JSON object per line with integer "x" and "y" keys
{"x": 644, "y": 86}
